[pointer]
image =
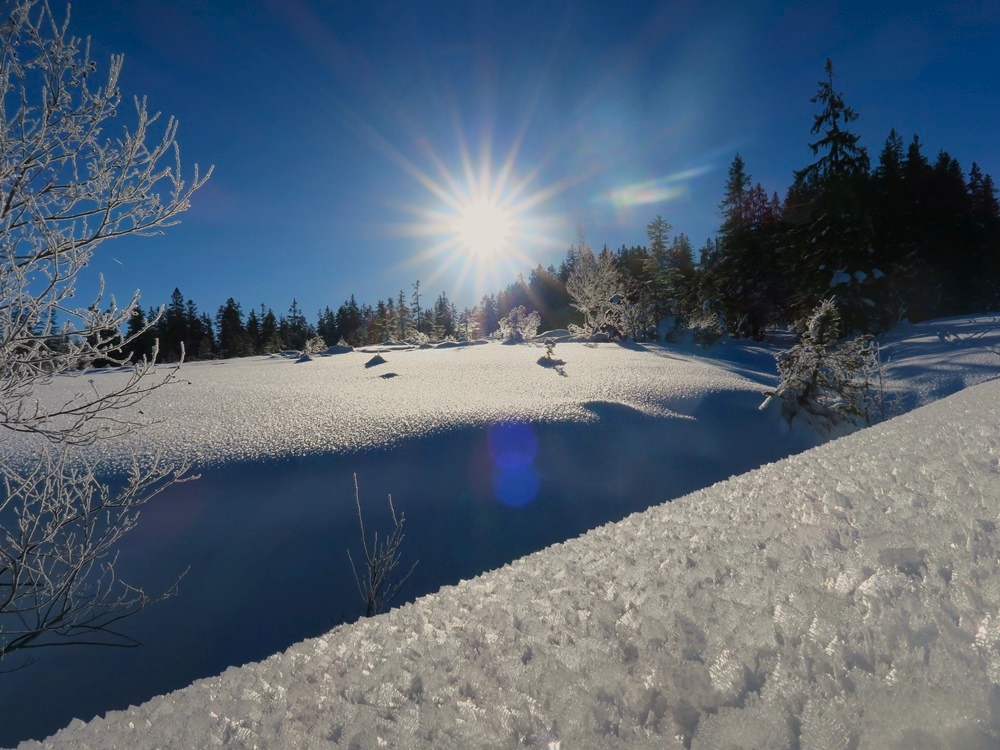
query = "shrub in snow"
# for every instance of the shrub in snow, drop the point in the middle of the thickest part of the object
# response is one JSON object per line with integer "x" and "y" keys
{"x": 828, "y": 381}
{"x": 706, "y": 330}
{"x": 549, "y": 358}
{"x": 377, "y": 585}
{"x": 314, "y": 345}
{"x": 518, "y": 326}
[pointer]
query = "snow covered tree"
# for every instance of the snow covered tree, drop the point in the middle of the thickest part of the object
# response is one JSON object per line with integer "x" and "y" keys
{"x": 72, "y": 174}
{"x": 591, "y": 285}
{"x": 519, "y": 325}
{"x": 825, "y": 380}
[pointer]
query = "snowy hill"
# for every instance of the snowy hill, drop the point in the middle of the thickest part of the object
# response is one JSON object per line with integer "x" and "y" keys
{"x": 846, "y": 596}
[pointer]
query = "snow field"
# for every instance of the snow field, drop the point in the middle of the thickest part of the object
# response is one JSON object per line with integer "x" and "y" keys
{"x": 266, "y": 407}
{"x": 845, "y": 597}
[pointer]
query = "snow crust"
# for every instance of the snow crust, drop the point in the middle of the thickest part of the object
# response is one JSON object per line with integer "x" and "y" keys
{"x": 266, "y": 407}
{"x": 845, "y": 597}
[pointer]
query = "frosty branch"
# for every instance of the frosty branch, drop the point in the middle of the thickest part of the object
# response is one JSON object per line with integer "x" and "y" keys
{"x": 73, "y": 174}
{"x": 376, "y": 587}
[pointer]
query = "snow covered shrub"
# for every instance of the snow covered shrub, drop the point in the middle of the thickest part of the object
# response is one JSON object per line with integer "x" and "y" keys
{"x": 829, "y": 381}
{"x": 313, "y": 345}
{"x": 519, "y": 325}
{"x": 706, "y": 329}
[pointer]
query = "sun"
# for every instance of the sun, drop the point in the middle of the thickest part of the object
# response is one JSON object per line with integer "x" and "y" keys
{"x": 483, "y": 229}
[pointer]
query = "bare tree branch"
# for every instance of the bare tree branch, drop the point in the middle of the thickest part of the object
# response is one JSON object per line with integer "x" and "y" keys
{"x": 376, "y": 587}
{"x": 73, "y": 173}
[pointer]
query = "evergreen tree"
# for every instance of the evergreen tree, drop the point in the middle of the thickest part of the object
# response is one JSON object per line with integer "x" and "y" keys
{"x": 404, "y": 323}
{"x": 657, "y": 276}
{"x": 826, "y": 380}
{"x": 140, "y": 336}
{"x": 255, "y": 341}
{"x": 173, "y": 331}
{"x": 206, "y": 345}
{"x": 744, "y": 281}
{"x": 295, "y": 329}
{"x": 327, "y": 326}
{"x": 831, "y": 240}
{"x": 233, "y": 340}
{"x": 350, "y": 322}
{"x": 487, "y": 315}
{"x": 270, "y": 334}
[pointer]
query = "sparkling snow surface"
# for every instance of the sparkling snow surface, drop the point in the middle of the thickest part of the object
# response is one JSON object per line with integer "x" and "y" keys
{"x": 845, "y": 597}
{"x": 265, "y": 407}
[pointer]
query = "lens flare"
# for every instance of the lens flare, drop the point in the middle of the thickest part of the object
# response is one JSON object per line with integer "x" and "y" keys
{"x": 513, "y": 449}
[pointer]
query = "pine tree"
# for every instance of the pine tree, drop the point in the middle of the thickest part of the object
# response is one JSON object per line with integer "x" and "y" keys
{"x": 269, "y": 333}
{"x": 327, "y": 326}
{"x": 415, "y": 307}
{"x": 830, "y": 246}
{"x": 254, "y": 339}
{"x": 825, "y": 380}
{"x": 233, "y": 340}
{"x": 173, "y": 331}
{"x": 744, "y": 279}
{"x": 350, "y": 322}
{"x": 657, "y": 276}
{"x": 404, "y": 323}
{"x": 140, "y": 337}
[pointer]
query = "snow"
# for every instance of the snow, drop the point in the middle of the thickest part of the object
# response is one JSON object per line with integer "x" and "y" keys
{"x": 846, "y": 596}
{"x": 839, "y": 278}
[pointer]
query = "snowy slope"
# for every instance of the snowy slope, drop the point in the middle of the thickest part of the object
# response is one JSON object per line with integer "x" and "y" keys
{"x": 651, "y": 625}
{"x": 845, "y": 597}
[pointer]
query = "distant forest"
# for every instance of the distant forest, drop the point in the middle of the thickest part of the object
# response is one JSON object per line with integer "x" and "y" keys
{"x": 909, "y": 239}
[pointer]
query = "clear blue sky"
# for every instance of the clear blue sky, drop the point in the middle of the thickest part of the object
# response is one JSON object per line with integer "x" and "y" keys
{"x": 331, "y": 123}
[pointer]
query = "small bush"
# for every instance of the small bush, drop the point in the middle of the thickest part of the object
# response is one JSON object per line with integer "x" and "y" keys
{"x": 828, "y": 381}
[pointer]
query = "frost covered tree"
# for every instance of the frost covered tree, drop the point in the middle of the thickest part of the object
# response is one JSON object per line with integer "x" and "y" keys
{"x": 828, "y": 381}
{"x": 591, "y": 284}
{"x": 73, "y": 173}
{"x": 519, "y": 325}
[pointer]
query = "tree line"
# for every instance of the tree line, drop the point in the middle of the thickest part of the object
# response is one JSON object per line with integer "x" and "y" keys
{"x": 910, "y": 238}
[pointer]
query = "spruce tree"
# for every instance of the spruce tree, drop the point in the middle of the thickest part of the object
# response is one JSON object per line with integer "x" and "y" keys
{"x": 233, "y": 341}
{"x": 830, "y": 245}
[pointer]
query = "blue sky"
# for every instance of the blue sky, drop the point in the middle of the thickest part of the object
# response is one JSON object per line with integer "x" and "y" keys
{"x": 343, "y": 134}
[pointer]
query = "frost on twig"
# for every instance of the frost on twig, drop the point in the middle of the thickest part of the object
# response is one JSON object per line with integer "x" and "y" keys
{"x": 376, "y": 585}
{"x": 74, "y": 171}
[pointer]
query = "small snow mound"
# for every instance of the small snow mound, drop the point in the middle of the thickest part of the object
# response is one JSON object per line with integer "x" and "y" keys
{"x": 304, "y": 358}
{"x": 840, "y": 278}
{"x": 375, "y": 361}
